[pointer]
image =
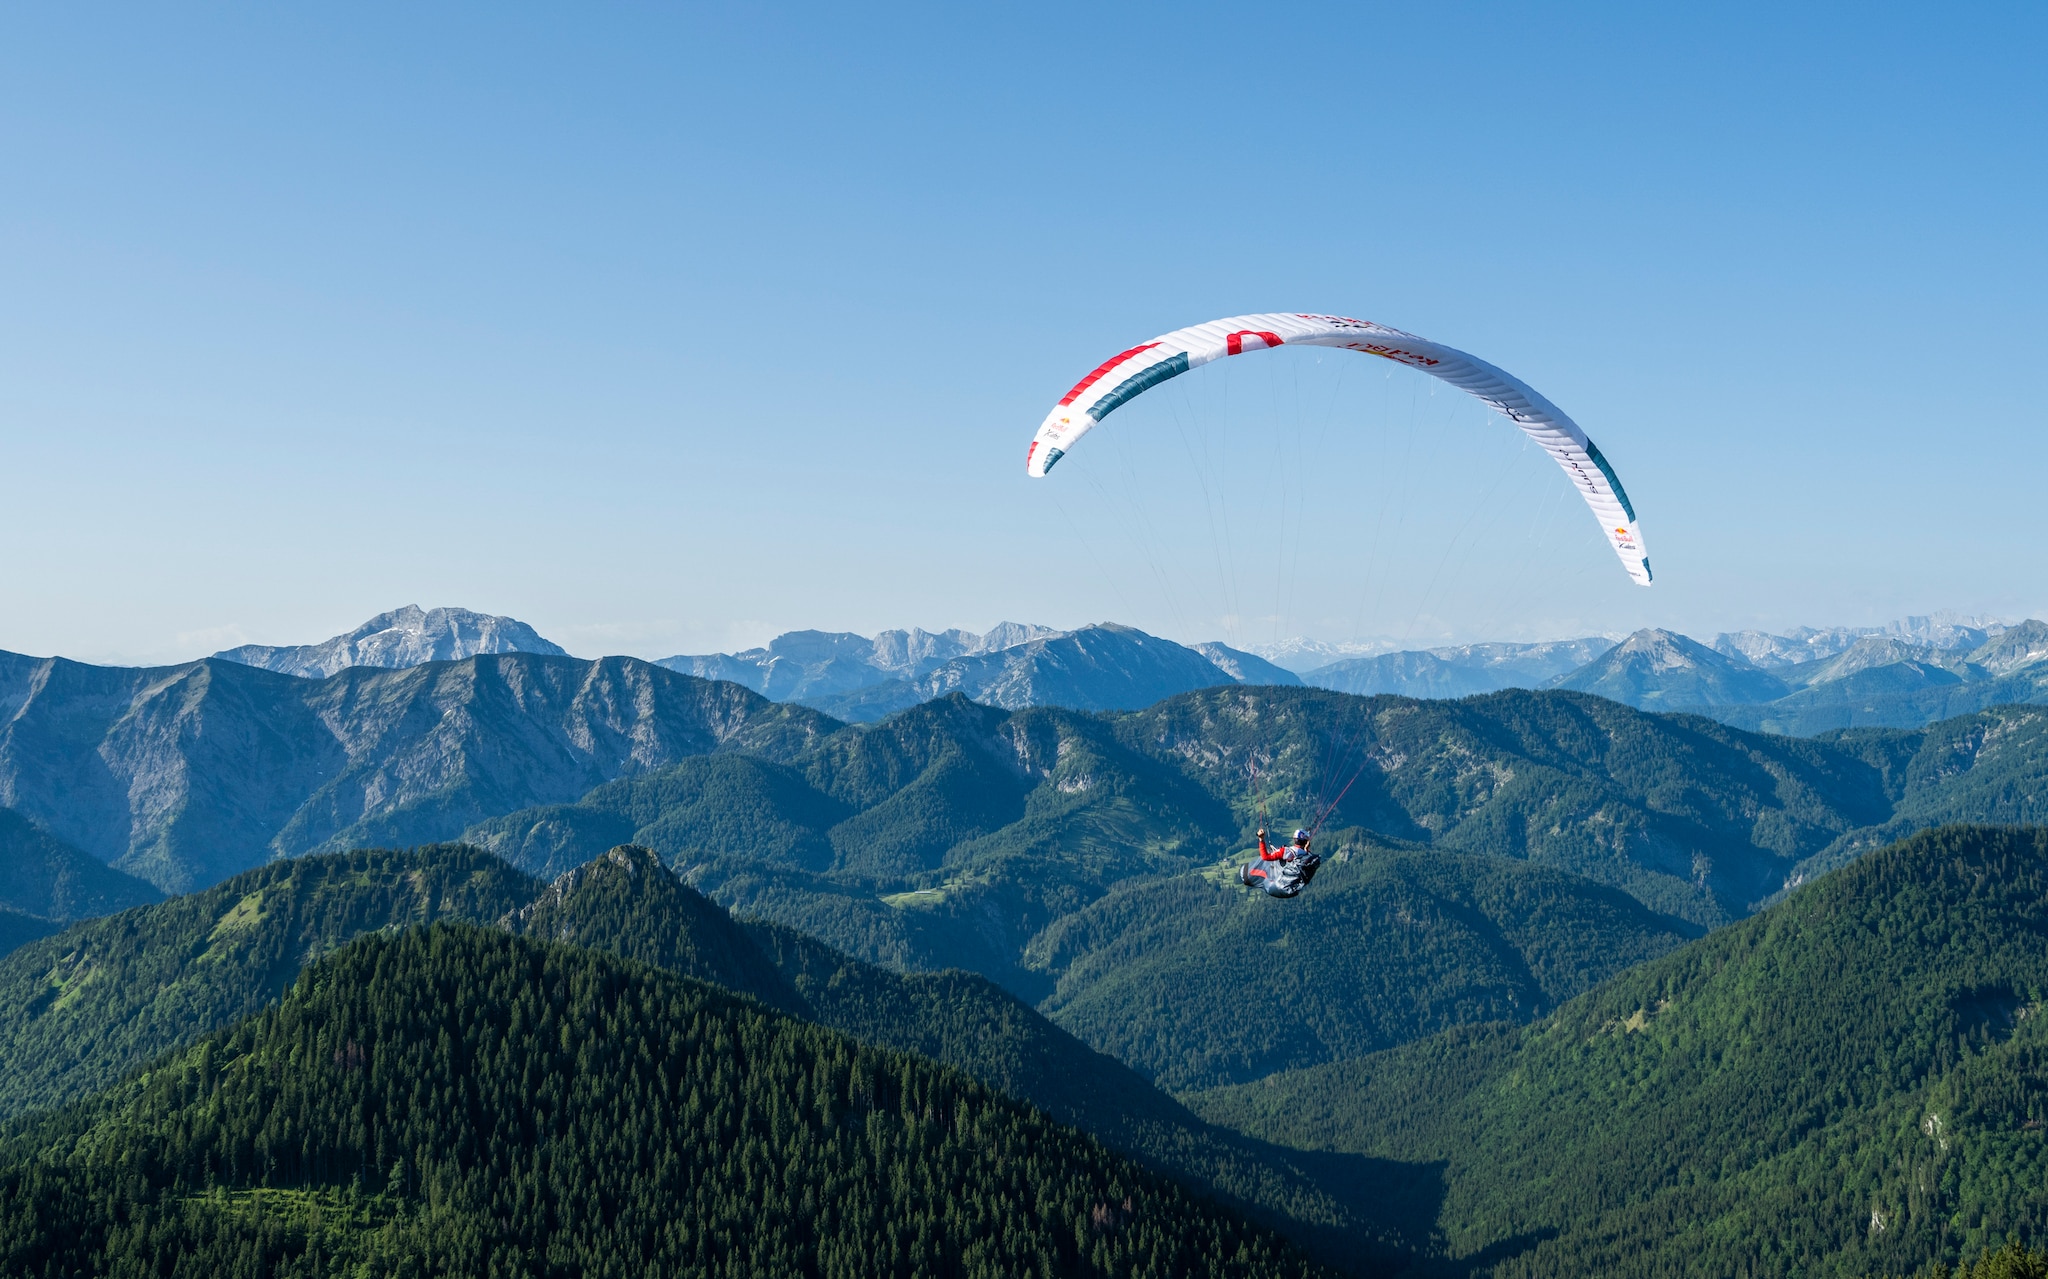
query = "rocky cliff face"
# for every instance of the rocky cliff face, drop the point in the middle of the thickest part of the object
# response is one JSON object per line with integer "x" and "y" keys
{"x": 408, "y": 636}
{"x": 184, "y": 775}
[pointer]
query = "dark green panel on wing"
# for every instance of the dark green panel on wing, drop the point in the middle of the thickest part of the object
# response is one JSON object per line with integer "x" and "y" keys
{"x": 1139, "y": 383}
{"x": 1613, "y": 480}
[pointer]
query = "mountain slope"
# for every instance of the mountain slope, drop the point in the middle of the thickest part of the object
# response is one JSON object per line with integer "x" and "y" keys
{"x": 1849, "y": 1083}
{"x": 1245, "y": 668}
{"x": 18, "y": 929}
{"x": 184, "y": 775}
{"x": 464, "y": 1101}
{"x": 1691, "y": 817}
{"x": 83, "y": 1008}
{"x": 79, "y": 1009}
{"x": 629, "y": 904}
{"x": 408, "y": 636}
{"x": 1988, "y": 767}
{"x": 1197, "y": 983}
{"x": 42, "y": 875}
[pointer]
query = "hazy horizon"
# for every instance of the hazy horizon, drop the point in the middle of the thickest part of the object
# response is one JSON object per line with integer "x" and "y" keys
{"x": 1360, "y": 646}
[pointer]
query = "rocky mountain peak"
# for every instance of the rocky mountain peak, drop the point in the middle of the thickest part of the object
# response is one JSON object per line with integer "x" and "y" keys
{"x": 409, "y": 636}
{"x": 2016, "y": 647}
{"x": 1662, "y": 670}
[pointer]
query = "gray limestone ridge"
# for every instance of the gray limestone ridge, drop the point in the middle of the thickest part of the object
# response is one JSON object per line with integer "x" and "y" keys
{"x": 403, "y": 637}
{"x": 183, "y": 775}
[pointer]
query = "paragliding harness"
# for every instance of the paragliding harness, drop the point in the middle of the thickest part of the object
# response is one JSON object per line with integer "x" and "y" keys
{"x": 1297, "y": 865}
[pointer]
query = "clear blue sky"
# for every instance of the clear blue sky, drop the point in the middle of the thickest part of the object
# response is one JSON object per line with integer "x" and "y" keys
{"x": 669, "y": 328}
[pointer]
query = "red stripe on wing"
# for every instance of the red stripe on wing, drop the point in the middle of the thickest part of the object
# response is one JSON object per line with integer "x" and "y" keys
{"x": 1101, "y": 369}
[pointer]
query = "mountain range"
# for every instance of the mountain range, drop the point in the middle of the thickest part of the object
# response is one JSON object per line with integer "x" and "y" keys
{"x": 183, "y": 775}
{"x": 1460, "y": 670}
{"x": 1806, "y": 681}
{"x": 1590, "y": 981}
{"x": 1875, "y": 680}
{"x": 961, "y": 835}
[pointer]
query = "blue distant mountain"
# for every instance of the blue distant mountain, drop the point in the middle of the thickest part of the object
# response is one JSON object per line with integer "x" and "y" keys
{"x": 1458, "y": 670}
{"x": 1101, "y": 667}
{"x": 1889, "y": 678}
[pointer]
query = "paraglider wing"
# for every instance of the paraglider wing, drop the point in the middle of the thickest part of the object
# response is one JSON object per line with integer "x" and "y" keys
{"x": 1123, "y": 377}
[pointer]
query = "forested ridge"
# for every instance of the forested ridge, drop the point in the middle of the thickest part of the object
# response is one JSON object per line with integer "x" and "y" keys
{"x": 81, "y": 1008}
{"x": 112, "y": 993}
{"x": 1855, "y": 1081}
{"x": 457, "y": 1099}
{"x": 627, "y": 903}
{"x": 956, "y": 835}
{"x": 1197, "y": 983}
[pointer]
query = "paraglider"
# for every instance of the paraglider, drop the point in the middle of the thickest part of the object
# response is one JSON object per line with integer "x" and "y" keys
{"x": 1297, "y": 866}
{"x": 1123, "y": 377}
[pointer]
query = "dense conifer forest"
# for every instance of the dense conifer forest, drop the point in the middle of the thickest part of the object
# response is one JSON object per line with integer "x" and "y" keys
{"x": 457, "y": 1100}
{"x": 79, "y": 1009}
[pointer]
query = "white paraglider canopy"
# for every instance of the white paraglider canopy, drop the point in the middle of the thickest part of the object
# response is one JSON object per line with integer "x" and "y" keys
{"x": 1123, "y": 377}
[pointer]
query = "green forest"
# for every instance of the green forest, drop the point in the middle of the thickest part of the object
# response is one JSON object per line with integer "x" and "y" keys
{"x": 957, "y": 835}
{"x": 79, "y": 1009}
{"x": 459, "y": 1100}
{"x": 1854, "y": 1082}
